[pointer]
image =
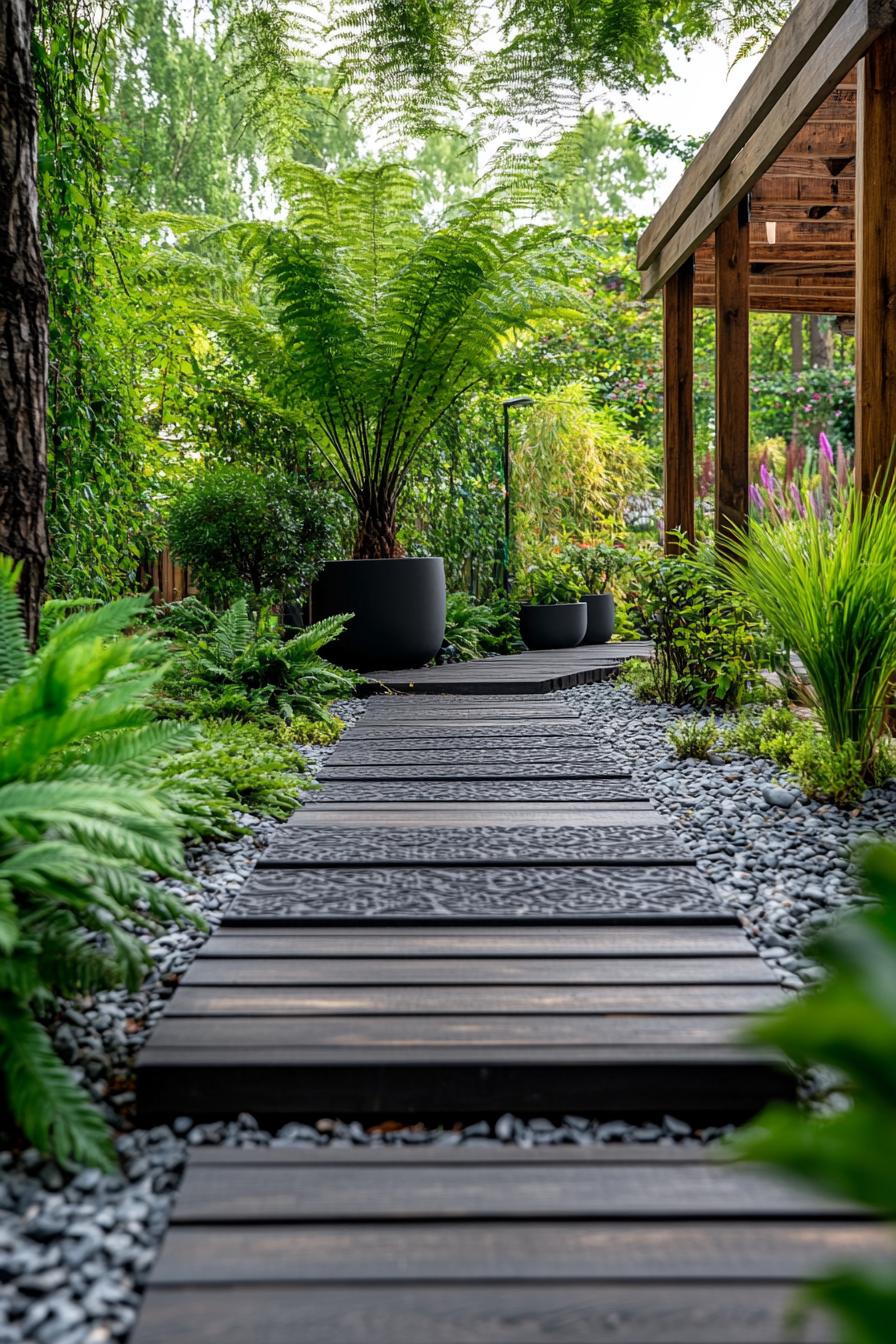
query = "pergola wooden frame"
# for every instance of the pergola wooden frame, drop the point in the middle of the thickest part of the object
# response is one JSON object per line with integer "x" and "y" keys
{"x": 789, "y": 206}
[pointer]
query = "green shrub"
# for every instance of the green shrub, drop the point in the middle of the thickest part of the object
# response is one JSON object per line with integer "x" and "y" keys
{"x": 847, "y": 1024}
{"x": 316, "y": 732}
{"x": 477, "y": 628}
{"x": 774, "y": 733}
{"x": 822, "y": 770}
{"x": 693, "y": 738}
{"x": 552, "y": 578}
{"x": 231, "y": 666}
{"x": 243, "y": 764}
{"x": 248, "y": 534}
{"x": 83, "y": 819}
{"x": 709, "y": 647}
{"x": 826, "y": 771}
{"x": 827, "y": 589}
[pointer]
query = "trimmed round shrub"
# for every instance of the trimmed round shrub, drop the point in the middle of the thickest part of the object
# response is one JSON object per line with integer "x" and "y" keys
{"x": 244, "y": 534}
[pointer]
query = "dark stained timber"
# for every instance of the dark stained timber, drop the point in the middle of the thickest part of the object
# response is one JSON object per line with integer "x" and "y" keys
{"x": 504, "y": 893}
{"x": 486, "y": 845}
{"x": 477, "y": 790}
{"x": 589, "y": 1246}
{"x": 492, "y": 767}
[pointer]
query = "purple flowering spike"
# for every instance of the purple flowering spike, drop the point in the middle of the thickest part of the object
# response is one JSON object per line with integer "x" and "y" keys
{"x": 817, "y": 505}
{"x": 756, "y": 499}
{"x": 842, "y": 470}
{"x": 797, "y": 499}
{"x": 765, "y": 477}
{"x": 824, "y": 444}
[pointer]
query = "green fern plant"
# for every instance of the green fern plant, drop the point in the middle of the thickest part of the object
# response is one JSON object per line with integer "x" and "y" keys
{"x": 383, "y": 322}
{"x": 80, "y": 828}
{"x": 230, "y": 666}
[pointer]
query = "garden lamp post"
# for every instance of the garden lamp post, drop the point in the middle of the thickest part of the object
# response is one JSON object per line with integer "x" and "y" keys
{"x": 506, "y": 406}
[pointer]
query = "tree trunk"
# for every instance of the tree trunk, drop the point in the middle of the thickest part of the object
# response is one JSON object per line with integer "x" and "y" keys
{"x": 821, "y": 342}
{"x": 23, "y": 316}
{"x": 796, "y": 342}
{"x": 376, "y": 537}
{"x": 797, "y": 360}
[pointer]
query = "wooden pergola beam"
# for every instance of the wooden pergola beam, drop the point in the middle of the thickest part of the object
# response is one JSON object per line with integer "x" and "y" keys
{"x": 876, "y": 269}
{"x": 807, "y": 27}
{"x": 678, "y": 408}
{"x": 761, "y": 139}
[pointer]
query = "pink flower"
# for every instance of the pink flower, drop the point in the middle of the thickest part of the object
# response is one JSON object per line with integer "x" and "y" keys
{"x": 824, "y": 444}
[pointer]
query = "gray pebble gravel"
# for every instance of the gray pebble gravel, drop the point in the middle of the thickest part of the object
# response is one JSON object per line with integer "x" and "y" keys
{"x": 76, "y": 1252}
{"x": 781, "y": 861}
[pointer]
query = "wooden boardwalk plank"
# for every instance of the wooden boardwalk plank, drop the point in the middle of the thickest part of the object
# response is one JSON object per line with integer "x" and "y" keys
{"x": 715, "y": 1251}
{"x": 600, "y": 767}
{"x": 284, "y": 1192}
{"x": 460, "y": 972}
{"x": 477, "y": 790}
{"x": 469, "y": 943}
{"x": 491, "y": 1000}
{"x": 616, "y": 813}
{"x": 371, "y": 846}
{"x": 501, "y": 893}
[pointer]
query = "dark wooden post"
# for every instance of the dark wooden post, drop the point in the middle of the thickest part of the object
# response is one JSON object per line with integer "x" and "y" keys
{"x": 732, "y": 248}
{"x": 876, "y": 266}
{"x": 678, "y": 407}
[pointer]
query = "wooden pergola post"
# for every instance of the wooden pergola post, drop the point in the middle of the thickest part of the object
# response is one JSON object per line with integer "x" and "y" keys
{"x": 678, "y": 407}
{"x": 732, "y": 275}
{"x": 876, "y": 267}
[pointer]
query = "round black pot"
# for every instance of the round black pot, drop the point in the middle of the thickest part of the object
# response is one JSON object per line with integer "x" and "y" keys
{"x": 561, "y": 625}
{"x": 398, "y": 606}
{"x": 601, "y": 618}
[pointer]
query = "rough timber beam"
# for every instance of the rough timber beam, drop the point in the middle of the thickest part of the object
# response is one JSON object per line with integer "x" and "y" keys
{"x": 808, "y": 26}
{"x": 762, "y": 139}
{"x": 678, "y": 408}
{"x": 876, "y": 270}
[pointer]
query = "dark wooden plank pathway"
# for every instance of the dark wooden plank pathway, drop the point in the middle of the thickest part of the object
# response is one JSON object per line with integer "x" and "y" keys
{"x": 575, "y": 1246}
{"x": 600, "y": 982}
{"x": 479, "y": 911}
{"x": 514, "y": 673}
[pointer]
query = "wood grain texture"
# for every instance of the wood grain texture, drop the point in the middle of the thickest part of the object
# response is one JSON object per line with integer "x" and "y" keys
{"x": 678, "y": 408}
{"x": 612, "y": 1251}
{"x": 732, "y": 372}
{"x": 460, "y": 971}
{"x": 875, "y": 467}
{"x": 493, "y": 1001}
{"x": 609, "y": 942}
{"x": 475, "y": 1313}
{"x": 287, "y": 1193}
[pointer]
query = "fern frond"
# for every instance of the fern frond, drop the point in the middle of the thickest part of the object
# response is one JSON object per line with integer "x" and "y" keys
{"x": 49, "y": 1105}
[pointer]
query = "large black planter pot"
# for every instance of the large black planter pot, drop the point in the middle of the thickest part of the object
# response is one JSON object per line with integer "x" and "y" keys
{"x": 399, "y": 611}
{"x": 558, "y": 626}
{"x": 601, "y": 618}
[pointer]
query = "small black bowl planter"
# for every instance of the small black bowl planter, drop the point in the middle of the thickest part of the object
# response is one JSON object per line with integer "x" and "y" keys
{"x": 559, "y": 625}
{"x": 601, "y": 618}
{"x": 398, "y": 606}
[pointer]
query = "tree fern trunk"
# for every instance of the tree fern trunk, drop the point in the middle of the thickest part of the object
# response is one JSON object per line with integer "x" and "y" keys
{"x": 376, "y": 538}
{"x": 23, "y": 316}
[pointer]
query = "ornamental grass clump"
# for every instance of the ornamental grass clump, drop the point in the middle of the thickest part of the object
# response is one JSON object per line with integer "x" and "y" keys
{"x": 826, "y": 586}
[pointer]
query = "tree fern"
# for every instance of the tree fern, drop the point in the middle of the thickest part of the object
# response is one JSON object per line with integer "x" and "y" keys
{"x": 385, "y": 320}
